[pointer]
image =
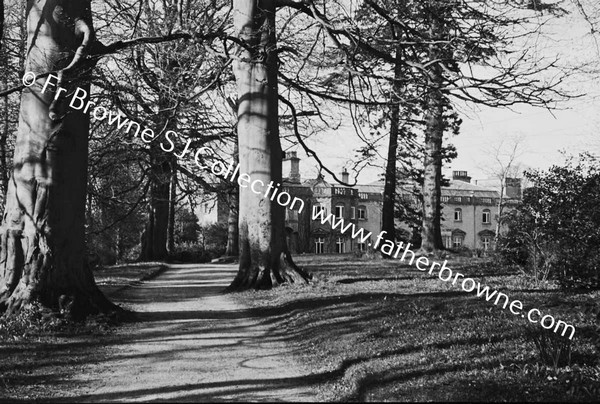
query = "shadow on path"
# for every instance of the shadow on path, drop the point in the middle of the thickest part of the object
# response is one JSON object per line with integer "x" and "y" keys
{"x": 193, "y": 343}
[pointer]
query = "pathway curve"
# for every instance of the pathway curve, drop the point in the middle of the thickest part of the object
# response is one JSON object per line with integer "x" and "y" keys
{"x": 194, "y": 344}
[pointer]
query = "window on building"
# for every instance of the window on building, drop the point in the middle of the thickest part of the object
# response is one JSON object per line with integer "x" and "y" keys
{"x": 486, "y": 200}
{"x": 447, "y": 241}
{"x": 352, "y": 212}
{"x": 362, "y": 246}
{"x": 457, "y": 199}
{"x": 339, "y": 211}
{"x": 457, "y": 241}
{"x": 458, "y": 215}
{"x": 445, "y": 198}
{"x": 339, "y": 244}
{"x": 362, "y": 213}
{"x": 319, "y": 245}
{"x": 486, "y": 242}
{"x": 317, "y": 209}
{"x": 487, "y": 216}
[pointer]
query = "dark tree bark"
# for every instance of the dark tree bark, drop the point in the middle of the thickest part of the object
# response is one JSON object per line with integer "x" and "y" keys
{"x": 264, "y": 257}
{"x": 42, "y": 237}
{"x": 172, "y": 210}
{"x": 233, "y": 246}
{"x": 431, "y": 233}
{"x": 1, "y": 22}
{"x": 154, "y": 237}
{"x": 233, "y": 201}
{"x": 6, "y": 109}
{"x": 389, "y": 190}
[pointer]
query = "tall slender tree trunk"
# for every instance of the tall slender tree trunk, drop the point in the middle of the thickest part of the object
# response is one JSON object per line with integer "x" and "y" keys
{"x": 4, "y": 166}
{"x": 389, "y": 191}
{"x": 431, "y": 233}
{"x": 172, "y": 209}
{"x": 264, "y": 258}
{"x": 500, "y": 211}
{"x": 1, "y": 22}
{"x": 42, "y": 237}
{"x": 4, "y": 174}
{"x": 154, "y": 238}
{"x": 233, "y": 246}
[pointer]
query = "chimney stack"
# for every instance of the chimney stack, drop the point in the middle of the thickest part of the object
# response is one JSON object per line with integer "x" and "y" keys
{"x": 461, "y": 176}
{"x": 345, "y": 176}
{"x": 512, "y": 187}
{"x": 294, "y": 175}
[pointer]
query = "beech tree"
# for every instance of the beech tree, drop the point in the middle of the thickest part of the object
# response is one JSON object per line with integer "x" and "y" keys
{"x": 42, "y": 237}
{"x": 265, "y": 260}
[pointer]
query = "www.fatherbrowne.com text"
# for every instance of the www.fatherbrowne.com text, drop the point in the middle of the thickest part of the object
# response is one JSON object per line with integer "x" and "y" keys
{"x": 444, "y": 273}
{"x": 79, "y": 101}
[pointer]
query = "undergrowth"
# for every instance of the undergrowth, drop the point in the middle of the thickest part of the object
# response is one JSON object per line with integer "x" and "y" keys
{"x": 36, "y": 321}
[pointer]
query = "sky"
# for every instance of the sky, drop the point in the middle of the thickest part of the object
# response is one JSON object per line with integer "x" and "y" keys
{"x": 573, "y": 127}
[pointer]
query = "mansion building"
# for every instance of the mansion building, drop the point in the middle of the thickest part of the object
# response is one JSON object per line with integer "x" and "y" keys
{"x": 469, "y": 211}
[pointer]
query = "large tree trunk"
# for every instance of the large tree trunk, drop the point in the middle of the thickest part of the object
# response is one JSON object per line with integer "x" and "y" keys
{"x": 264, "y": 258}
{"x": 431, "y": 233}
{"x": 42, "y": 236}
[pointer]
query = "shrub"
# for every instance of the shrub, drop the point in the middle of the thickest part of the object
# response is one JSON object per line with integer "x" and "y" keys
{"x": 214, "y": 239}
{"x": 555, "y": 232}
{"x": 462, "y": 251}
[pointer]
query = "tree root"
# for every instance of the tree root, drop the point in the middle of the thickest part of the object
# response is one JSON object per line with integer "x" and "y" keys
{"x": 262, "y": 278}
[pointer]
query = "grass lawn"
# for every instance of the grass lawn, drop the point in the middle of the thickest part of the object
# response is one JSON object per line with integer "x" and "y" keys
{"x": 381, "y": 331}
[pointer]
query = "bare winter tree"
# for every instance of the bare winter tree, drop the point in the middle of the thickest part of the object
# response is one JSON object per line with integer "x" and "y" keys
{"x": 42, "y": 235}
{"x": 504, "y": 164}
{"x": 264, "y": 258}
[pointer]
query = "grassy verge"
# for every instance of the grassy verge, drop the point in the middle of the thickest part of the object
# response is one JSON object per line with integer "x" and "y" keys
{"x": 115, "y": 278}
{"x": 378, "y": 330}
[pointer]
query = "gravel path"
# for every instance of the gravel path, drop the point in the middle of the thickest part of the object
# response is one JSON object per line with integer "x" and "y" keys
{"x": 194, "y": 344}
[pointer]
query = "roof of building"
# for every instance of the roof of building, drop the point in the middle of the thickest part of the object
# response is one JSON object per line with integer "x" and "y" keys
{"x": 373, "y": 188}
{"x": 454, "y": 188}
{"x": 462, "y": 188}
{"x": 314, "y": 181}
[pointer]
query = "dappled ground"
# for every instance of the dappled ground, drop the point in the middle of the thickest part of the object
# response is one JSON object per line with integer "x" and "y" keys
{"x": 190, "y": 343}
{"x": 194, "y": 343}
{"x": 385, "y": 331}
{"x": 363, "y": 330}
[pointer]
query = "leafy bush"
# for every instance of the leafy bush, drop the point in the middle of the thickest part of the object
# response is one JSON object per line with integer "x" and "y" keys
{"x": 462, "y": 251}
{"x": 213, "y": 238}
{"x": 555, "y": 232}
{"x": 191, "y": 253}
